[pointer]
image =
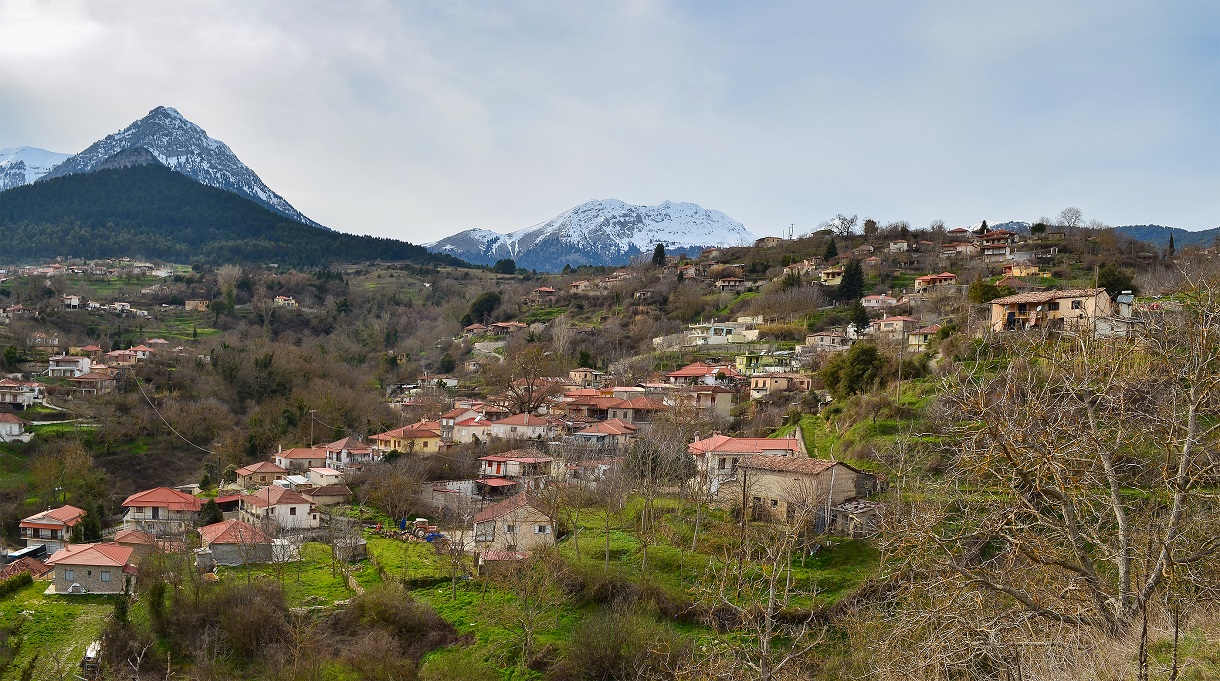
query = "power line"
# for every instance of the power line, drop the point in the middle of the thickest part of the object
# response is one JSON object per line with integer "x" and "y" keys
{"x": 167, "y": 424}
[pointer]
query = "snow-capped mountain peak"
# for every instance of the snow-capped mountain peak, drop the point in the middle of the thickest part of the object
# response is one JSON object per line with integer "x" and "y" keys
{"x": 600, "y": 232}
{"x": 23, "y": 165}
{"x": 186, "y": 148}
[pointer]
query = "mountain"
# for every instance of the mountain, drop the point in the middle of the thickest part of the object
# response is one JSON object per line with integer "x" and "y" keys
{"x": 139, "y": 208}
{"x": 1158, "y": 235}
{"x": 185, "y": 147}
{"x": 606, "y": 232}
{"x": 23, "y": 165}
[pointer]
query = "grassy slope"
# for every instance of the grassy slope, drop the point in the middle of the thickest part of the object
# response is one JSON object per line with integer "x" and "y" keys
{"x": 54, "y": 626}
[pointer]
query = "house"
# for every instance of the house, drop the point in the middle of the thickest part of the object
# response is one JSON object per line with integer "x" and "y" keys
{"x": 259, "y": 474}
{"x": 642, "y": 296}
{"x": 1072, "y": 309}
{"x": 832, "y": 276}
{"x": 161, "y": 511}
{"x": 609, "y": 433}
{"x": 39, "y": 339}
{"x": 827, "y": 341}
{"x": 730, "y": 284}
{"x": 544, "y": 293}
{"x": 280, "y": 507}
{"x": 285, "y": 301}
{"x": 196, "y": 306}
{"x": 72, "y": 302}
{"x": 473, "y": 429}
{"x": 23, "y": 565}
{"x": 67, "y": 366}
{"x": 51, "y": 528}
{"x": 348, "y": 451}
{"x": 762, "y": 385}
{"x": 1125, "y": 323}
{"x": 719, "y": 333}
{"x": 328, "y": 495}
{"x": 21, "y": 393}
{"x": 893, "y": 327}
{"x": 749, "y": 363}
{"x": 91, "y": 568}
{"x": 93, "y": 383}
{"x": 856, "y": 518}
{"x": 121, "y": 358}
{"x": 792, "y": 488}
{"x": 299, "y": 458}
{"x": 140, "y": 543}
{"x": 996, "y": 247}
{"x": 519, "y": 524}
{"x": 524, "y": 427}
{"x": 702, "y": 373}
{"x": 768, "y": 241}
{"x": 635, "y": 410}
{"x": 962, "y": 249}
{"x": 879, "y": 302}
{"x": 527, "y": 467}
{"x": 475, "y": 330}
{"x": 506, "y": 328}
{"x": 233, "y": 542}
{"x": 12, "y": 429}
{"x": 715, "y": 398}
{"x": 581, "y": 286}
{"x": 586, "y": 377}
{"x": 142, "y": 351}
{"x": 320, "y": 477}
{"x": 1024, "y": 268}
{"x": 899, "y": 247}
{"x": 804, "y": 268}
{"x": 919, "y": 338}
{"x": 91, "y": 351}
{"x": 717, "y": 456}
{"x": 930, "y": 281}
{"x": 409, "y": 439}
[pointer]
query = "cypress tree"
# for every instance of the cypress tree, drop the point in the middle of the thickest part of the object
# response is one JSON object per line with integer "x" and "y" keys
{"x": 658, "y": 255}
{"x": 831, "y": 250}
{"x": 852, "y": 285}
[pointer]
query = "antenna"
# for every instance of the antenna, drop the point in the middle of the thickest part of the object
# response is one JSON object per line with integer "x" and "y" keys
{"x": 791, "y": 226}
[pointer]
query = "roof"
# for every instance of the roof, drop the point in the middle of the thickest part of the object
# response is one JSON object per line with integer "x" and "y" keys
{"x": 696, "y": 369}
{"x": 927, "y": 329}
{"x": 351, "y": 444}
{"x": 473, "y": 421}
{"x": 325, "y": 471}
{"x": 611, "y": 427}
{"x": 791, "y": 464}
{"x": 232, "y": 532}
{"x": 496, "y": 482}
{"x": 521, "y": 455}
{"x": 35, "y": 567}
{"x": 166, "y": 497}
{"x": 406, "y": 433}
{"x": 302, "y": 453}
{"x": 261, "y": 467}
{"x": 509, "y": 505}
{"x": 104, "y": 555}
{"x": 641, "y": 404}
{"x": 745, "y": 445}
{"x": 1047, "y": 296}
{"x": 134, "y": 537}
{"x": 91, "y": 376}
{"x": 64, "y": 515}
{"x": 10, "y": 418}
{"x": 274, "y": 496}
{"x": 330, "y": 491}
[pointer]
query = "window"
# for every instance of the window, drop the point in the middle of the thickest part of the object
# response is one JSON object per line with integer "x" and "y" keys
{"x": 105, "y": 575}
{"x": 1077, "y": 304}
{"x": 542, "y": 529}
{"x": 723, "y": 462}
{"x": 69, "y": 574}
{"x": 774, "y": 503}
{"x": 1054, "y": 305}
{"x": 510, "y": 528}
{"x": 292, "y": 510}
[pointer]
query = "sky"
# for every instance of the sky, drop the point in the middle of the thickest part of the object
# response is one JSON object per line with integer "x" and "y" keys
{"x": 416, "y": 120}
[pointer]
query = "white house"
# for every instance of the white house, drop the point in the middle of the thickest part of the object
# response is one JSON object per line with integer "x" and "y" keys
{"x": 523, "y": 427}
{"x": 67, "y": 366}
{"x": 12, "y": 429}
{"x": 283, "y": 507}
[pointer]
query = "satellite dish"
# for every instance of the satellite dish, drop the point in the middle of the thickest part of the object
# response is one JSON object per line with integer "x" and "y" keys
{"x": 1038, "y": 309}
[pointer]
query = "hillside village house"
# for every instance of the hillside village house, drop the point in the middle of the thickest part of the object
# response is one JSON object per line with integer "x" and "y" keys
{"x": 785, "y": 488}
{"x": 635, "y": 410}
{"x": 233, "y": 542}
{"x": 67, "y": 366}
{"x": 766, "y": 384}
{"x": 827, "y": 341}
{"x": 196, "y": 306}
{"x": 832, "y": 276}
{"x": 717, "y": 456}
{"x": 1072, "y": 309}
{"x": 524, "y": 427}
{"x": 702, "y": 373}
{"x": 528, "y": 468}
{"x": 749, "y": 363}
{"x": 919, "y": 338}
{"x": 161, "y": 511}
{"x": 930, "y": 281}
{"x": 520, "y": 524}
{"x": 1024, "y": 268}
{"x": 283, "y": 507}
{"x": 259, "y": 474}
{"x": 299, "y": 458}
{"x": 12, "y": 429}
{"x": 893, "y": 327}
{"x": 285, "y": 301}
{"x": 409, "y": 439}
{"x": 473, "y": 429}
{"x": 91, "y": 568}
{"x": 586, "y": 377}
{"x": 879, "y": 302}
{"x": 22, "y": 394}
{"x": 730, "y": 284}
{"x": 51, "y": 528}
{"x": 93, "y": 383}
{"x": 996, "y": 246}
{"x": 719, "y": 333}
{"x": 346, "y": 452}
{"x": 610, "y": 433}
{"x": 715, "y": 398}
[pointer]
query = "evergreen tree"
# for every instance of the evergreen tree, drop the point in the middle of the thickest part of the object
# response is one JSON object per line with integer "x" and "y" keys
{"x": 447, "y": 363}
{"x": 1115, "y": 279}
{"x": 852, "y": 285}
{"x": 505, "y": 266}
{"x": 210, "y": 514}
{"x": 1171, "y": 242}
{"x": 858, "y": 316}
{"x": 832, "y": 250}
{"x": 983, "y": 228}
{"x": 658, "y": 255}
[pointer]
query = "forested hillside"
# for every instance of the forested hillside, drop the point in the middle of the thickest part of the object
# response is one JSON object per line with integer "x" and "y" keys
{"x": 153, "y": 212}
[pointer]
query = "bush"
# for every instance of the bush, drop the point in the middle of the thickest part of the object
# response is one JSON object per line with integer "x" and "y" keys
{"x": 611, "y": 645}
{"x": 13, "y": 584}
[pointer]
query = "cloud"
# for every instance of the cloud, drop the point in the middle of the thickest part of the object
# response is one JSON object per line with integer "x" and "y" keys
{"x": 416, "y": 120}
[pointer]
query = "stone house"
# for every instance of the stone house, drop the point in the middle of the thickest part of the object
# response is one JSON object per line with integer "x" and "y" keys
{"x": 520, "y": 523}
{"x": 161, "y": 511}
{"x": 91, "y": 568}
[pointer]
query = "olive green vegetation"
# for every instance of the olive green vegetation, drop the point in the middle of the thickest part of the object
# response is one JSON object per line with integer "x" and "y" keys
{"x": 51, "y": 626}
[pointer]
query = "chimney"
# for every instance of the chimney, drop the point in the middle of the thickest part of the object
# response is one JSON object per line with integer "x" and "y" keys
{"x": 281, "y": 451}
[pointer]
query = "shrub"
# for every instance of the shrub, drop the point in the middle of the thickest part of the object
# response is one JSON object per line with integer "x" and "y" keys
{"x": 17, "y": 583}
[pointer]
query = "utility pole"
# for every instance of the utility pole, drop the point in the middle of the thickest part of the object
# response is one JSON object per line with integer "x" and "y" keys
{"x": 311, "y": 420}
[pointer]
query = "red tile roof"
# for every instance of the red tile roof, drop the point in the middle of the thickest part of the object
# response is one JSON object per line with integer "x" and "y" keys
{"x": 64, "y": 515}
{"x": 1048, "y": 296}
{"x": 351, "y": 444}
{"x": 524, "y": 420}
{"x": 302, "y": 453}
{"x": 274, "y": 496}
{"x": 232, "y": 532}
{"x": 261, "y": 467}
{"x": 108, "y": 554}
{"x": 25, "y": 564}
{"x": 611, "y": 427}
{"x": 166, "y": 498}
{"x": 746, "y": 445}
{"x": 134, "y": 537}
{"x": 509, "y": 505}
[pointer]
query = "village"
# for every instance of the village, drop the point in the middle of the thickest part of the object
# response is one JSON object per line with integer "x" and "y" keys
{"x": 744, "y": 384}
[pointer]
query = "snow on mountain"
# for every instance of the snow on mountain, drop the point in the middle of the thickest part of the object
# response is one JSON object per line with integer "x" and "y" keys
{"x": 1012, "y": 225}
{"x": 185, "y": 147}
{"x": 605, "y": 232}
{"x": 23, "y": 165}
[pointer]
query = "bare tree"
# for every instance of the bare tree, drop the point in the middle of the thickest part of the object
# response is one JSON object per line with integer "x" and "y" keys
{"x": 1070, "y": 217}
{"x": 534, "y": 602}
{"x": 526, "y": 378}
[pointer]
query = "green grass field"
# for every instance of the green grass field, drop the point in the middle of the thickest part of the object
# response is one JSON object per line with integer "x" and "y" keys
{"x": 56, "y": 627}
